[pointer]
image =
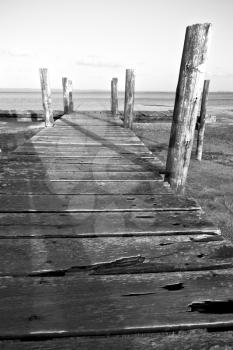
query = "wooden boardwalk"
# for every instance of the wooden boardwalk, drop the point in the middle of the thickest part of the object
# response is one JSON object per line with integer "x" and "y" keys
{"x": 94, "y": 245}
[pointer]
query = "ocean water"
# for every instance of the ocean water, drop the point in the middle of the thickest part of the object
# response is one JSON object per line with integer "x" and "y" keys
{"x": 100, "y": 100}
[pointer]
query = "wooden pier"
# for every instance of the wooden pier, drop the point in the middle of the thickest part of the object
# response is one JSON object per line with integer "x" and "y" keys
{"x": 97, "y": 252}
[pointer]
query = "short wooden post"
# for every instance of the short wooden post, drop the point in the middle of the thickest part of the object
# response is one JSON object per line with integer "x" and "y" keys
{"x": 201, "y": 126}
{"x": 70, "y": 90}
{"x": 188, "y": 93}
{"x": 46, "y": 97}
{"x": 129, "y": 98}
{"x": 114, "y": 97}
{"x": 65, "y": 95}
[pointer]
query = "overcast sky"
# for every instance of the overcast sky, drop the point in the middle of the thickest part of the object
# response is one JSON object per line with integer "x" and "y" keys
{"x": 92, "y": 41}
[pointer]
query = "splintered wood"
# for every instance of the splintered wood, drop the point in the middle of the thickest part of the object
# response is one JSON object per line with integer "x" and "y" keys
{"x": 94, "y": 243}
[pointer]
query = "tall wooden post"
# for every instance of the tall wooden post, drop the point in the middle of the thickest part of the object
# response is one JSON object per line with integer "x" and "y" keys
{"x": 188, "y": 95}
{"x": 46, "y": 97}
{"x": 114, "y": 97}
{"x": 65, "y": 95}
{"x": 71, "y": 104}
{"x": 201, "y": 126}
{"x": 129, "y": 98}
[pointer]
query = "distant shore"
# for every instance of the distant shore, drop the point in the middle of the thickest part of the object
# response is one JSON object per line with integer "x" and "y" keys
{"x": 100, "y": 100}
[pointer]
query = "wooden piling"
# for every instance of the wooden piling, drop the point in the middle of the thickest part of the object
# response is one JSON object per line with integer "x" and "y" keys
{"x": 201, "y": 126}
{"x": 129, "y": 98}
{"x": 70, "y": 90}
{"x": 46, "y": 97}
{"x": 188, "y": 95}
{"x": 114, "y": 97}
{"x": 65, "y": 95}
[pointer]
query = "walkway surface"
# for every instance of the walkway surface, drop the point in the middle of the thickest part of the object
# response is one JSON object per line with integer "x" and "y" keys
{"x": 95, "y": 246}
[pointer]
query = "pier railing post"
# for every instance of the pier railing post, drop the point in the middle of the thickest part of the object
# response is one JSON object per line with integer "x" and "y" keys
{"x": 129, "y": 98}
{"x": 65, "y": 95}
{"x": 70, "y": 99}
{"x": 114, "y": 97}
{"x": 201, "y": 126}
{"x": 188, "y": 95}
{"x": 46, "y": 97}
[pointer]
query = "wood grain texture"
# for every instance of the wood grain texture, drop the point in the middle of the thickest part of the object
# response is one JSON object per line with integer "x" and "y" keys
{"x": 114, "y": 304}
{"x": 114, "y": 97}
{"x": 56, "y": 167}
{"x": 46, "y": 97}
{"x": 83, "y": 187}
{"x": 65, "y": 94}
{"x": 71, "y": 159}
{"x": 94, "y": 243}
{"x": 34, "y": 161}
{"x": 86, "y": 202}
{"x": 83, "y": 148}
{"x": 113, "y": 255}
{"x": 188, "y": 95}
{"x": 104, "y": 224}
{"x": 129, "y": 98}
{"x": 75, "y": 175}
{"x": 70, "y": 94}
{"x": 201, "y": 124}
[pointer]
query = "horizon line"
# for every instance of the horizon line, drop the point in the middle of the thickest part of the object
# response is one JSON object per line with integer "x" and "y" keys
{"x": 98, "y": 90}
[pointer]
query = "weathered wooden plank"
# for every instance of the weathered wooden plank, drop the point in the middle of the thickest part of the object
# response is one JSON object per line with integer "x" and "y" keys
{"x": 85, "y": 148}
{"x": 51, "y": 167}
{"x": 89, "y": 121}
{"x": 79, "y": 137}
{"x": 80, "y": 126}
{"x": 99, "y": 224}
{"x": 98, "y": 131}
{"x": 95, "y": 132}
{"x": 75, "y": 175}
{"x": 86, "y": 202}
{"x": 113, "y": 135}
{"x": 24, "y": 161}
{"x": 97, "y": 159}
{"x": 83, "y": 151}
{"x": 83, "y": 187}
{"x": 115, "y": 255}
{"x": 83, "y": 141}
{"x": 114, "y": 304}
{"x": 86, "y": 116}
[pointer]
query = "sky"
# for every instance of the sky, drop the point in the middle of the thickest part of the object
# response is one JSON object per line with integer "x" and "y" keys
{"x": 91, "y": 41}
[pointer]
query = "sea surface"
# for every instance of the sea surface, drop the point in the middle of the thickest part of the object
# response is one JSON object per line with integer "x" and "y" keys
{"x": 11, "y": 99}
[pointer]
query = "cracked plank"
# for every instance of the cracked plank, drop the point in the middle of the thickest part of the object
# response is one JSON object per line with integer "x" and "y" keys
{"x": 102, "y": 305}
{"x": 115, "y": 255}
